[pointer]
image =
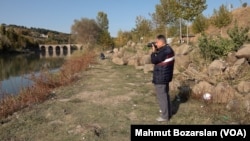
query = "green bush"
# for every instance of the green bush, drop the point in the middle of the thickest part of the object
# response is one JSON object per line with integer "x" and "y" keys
{"x": 244, "y": 4}
{"x": 239, "y": 35}
{"x": 212, "y": 49}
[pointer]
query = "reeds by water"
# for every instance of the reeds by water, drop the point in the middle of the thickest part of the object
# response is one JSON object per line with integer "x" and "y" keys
{"x": 45, "y": 83}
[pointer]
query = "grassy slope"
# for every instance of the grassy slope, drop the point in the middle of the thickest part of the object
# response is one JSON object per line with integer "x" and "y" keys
{"x": 240, "y": 15}
{"x": 101, "y": 106}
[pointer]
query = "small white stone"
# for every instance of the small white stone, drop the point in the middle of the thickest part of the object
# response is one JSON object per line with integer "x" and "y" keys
{"x": 207, "y": 96}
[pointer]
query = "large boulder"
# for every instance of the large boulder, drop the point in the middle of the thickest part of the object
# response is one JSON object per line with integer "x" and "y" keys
{"x": 217, "y": 67}
{"x": 184, "y": 49}
{"x": 115, "y": 50}
{"x": 241, "y": 104}
{"x": 201, "y": 88}
{"x": 244, "y": 87}
{"x": 239, "y": 68}
{"x": 223, "y": 93}
{"x": 133, "y": 61}
{"x": 244, "y": 52}
{"x": 145, "y": 59}
{"x": 118, "y": 61}
{"x": 231, "y": 58}
{"x": 181, "y": 62}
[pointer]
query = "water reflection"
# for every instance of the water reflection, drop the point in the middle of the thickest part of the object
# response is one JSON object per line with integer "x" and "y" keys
{"x": 15, "y": 70}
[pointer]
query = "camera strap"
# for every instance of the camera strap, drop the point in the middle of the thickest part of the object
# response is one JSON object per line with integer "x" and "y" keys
{"x": 168, "y": 60}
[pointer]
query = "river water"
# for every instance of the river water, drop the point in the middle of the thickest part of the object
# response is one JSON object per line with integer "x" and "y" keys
{"x": 16, "y": 69}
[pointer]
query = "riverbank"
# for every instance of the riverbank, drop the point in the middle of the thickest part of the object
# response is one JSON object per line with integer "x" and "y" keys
{"x": 101, "y": 105}
{"x": 17, "y": 52}
{"x": 44, "y": 83}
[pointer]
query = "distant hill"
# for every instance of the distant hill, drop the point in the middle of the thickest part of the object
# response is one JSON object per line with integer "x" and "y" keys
{"x": 34, "y": 29}
{"x": 241, "y": 15}
{"x": 40, "y": 34}
{"x": 17, "y": 38}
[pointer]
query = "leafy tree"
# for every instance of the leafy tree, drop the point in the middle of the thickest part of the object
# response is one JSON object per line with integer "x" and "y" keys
{"x": 163, "y": 15}
{"x": 13, "y": 37}
{"x": 173, "y": 29}
{"x": 189, "y": 10}
{"x": 102, "y": 21}
{"x": 200, "y": 24}
{"x": 85, "y": 31}
{"x": 2, "y": 36}
{"x": 170, "y": 10}
{"x": 122, "y": 38}
{"x": 143, "y": 27}
{"x": 160, "y": 29}
{"x": 244, "y": 4}
{"x": 104, "y": 39}
{"x": 239, "y": 35}
{"x": 2, "y": 30}
{"x": 221, "y": 17}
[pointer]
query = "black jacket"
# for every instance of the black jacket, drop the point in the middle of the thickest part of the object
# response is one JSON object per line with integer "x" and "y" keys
{"x": 163, "y": 61}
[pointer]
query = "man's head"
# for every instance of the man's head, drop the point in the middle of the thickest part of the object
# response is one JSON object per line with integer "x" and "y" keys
{"x": 160, "y": 41}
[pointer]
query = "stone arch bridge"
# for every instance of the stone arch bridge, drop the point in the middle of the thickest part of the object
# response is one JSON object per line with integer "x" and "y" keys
{"x": 54, "y": 49}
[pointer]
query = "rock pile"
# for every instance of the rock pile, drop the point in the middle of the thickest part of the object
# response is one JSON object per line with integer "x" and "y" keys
{"x": 227, "y": 80}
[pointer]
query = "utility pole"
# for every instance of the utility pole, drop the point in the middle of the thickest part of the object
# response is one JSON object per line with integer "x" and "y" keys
{"x": 187, "y": 33}
{"x": 180, "y": 23}
{"x": 180, "y": 31}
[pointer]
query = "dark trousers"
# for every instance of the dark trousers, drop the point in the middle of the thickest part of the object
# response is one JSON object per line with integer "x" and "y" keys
{"x": 162, "y": 93}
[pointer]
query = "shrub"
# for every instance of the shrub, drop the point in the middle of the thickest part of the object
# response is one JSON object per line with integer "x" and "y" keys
{"x": 214, "y": 48}
{"x": 244, "y": 4}
{"x": 239, "y": 35}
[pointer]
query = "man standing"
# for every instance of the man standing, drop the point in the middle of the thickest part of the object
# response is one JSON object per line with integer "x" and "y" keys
{"x": 163, "y": 59}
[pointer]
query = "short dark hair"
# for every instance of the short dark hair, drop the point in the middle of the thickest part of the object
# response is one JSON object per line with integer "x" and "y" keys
{"x": 162, "y": 37}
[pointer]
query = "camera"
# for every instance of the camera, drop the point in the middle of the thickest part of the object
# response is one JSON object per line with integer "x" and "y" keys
{"x": 150, "y": 44}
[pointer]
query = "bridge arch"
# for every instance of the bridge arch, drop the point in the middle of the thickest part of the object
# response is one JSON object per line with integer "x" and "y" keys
{"x": 65, "y": 50}
{"x": 59, "y": 49}
{"x": 42, "y": 48}
{"x": 51, "y": 50}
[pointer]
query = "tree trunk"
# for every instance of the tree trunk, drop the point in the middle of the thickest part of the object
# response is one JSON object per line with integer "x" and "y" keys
{"x": 187, "y": 34}
{"x": 180, "y": 32}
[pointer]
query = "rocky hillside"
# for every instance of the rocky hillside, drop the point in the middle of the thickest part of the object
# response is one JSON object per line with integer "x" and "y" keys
{"x": 240, "y": 15}
{"x": 226, "y": 80}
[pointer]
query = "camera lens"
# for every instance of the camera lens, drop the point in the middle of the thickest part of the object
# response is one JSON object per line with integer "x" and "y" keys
{"x": 150, "y": 44}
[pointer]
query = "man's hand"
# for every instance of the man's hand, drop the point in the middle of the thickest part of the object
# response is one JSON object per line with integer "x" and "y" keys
{"x": 153, "y": 48}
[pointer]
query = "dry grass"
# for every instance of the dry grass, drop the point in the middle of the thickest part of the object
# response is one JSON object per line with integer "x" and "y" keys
{"x": 241, "y": 15}
{"x": 103, "y": 108}
{"x": 45, "y": 83}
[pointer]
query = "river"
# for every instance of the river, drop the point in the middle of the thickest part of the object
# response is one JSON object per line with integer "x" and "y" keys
{"x": 16, "y": 69}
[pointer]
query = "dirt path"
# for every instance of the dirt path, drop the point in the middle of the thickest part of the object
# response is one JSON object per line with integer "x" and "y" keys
{"x": 101, "y": 105}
